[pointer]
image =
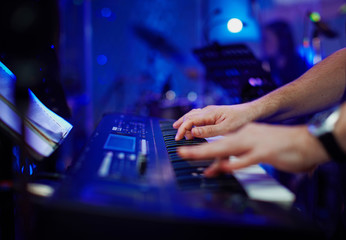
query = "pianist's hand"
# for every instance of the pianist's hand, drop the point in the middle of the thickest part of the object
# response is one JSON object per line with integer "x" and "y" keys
{"x": 290, "y": 149}
{"x": 213, "y": 121}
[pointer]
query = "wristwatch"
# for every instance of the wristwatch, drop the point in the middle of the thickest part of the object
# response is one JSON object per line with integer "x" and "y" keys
{"x": 322, "y": 126}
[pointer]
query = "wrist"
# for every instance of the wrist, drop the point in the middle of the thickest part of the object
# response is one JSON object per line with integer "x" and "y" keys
{"x": 316, "y": 151}
{"x": 340, "y": 128}
{"x": 328, "y": 128}
{"x": 263, "y": 108}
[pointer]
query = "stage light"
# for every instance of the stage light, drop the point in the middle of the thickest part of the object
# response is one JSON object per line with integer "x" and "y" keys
{"x": 30, "y": 170}
{"x": 106, "y": 12}
{"x": 7, "y": 71}
{"x": 315, "y": 17}
{"x": 342, "y": 9}
{"x": 192, "y": 96}
{"x": 234, "y": 25}
{"x": 255, "y": 82}
{"x": 170, "y": 95}
{"x": 102, "y": 59}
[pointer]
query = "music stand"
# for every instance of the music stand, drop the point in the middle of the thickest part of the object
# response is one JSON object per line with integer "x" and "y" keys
{"x": 236, "y": 69}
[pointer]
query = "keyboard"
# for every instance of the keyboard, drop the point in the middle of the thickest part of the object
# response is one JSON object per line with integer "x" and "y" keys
{"x": 189, "y": 173}
{"x": 129, "y": 181}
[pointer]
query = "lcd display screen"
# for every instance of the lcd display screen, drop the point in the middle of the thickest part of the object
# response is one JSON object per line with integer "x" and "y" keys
{"x": 120, "y": 143}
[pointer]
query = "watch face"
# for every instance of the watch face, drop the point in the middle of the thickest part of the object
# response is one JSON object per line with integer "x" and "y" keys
{"x": 322, "y": 127}
{"x": 319, "y": 118}
{"x": 324, "y": 122}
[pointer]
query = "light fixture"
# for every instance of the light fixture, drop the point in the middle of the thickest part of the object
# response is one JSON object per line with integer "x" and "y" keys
{"x": 315, "y": 17}
{"x": 235, "y": 25}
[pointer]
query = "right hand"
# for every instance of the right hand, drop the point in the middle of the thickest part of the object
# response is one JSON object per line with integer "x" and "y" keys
{"x": 213, "y": 121}
{"x": 283, "y": 147}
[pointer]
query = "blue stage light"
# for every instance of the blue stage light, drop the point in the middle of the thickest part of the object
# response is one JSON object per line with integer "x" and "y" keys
{"x": 255, "y": 82}
{"x": 7, "y": 71}
{"x": 235, "y": 25}
{"x": 106, "y": 12}
{"x": 102, "y": 59}
{"x": 31, "y": 170}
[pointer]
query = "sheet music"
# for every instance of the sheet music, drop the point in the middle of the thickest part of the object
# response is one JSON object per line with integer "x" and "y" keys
{"x": 44, "y": 129}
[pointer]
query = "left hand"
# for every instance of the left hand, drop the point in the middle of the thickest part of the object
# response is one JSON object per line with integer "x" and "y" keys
{"x": 291, "y": 149}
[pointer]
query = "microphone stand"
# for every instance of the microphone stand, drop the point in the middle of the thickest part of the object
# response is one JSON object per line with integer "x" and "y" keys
{"x": 14, "y": 174}
{"x": 22, "y": 175}
{"x": 26, "y": 72}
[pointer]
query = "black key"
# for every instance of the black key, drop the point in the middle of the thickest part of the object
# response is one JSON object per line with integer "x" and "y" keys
{"x": 224, "y": 183}
{"x": 189, "y": 179}
{"x": 189, "y": 171}
{"x": 169, "y": 137}
{"x": 171, "y": 150}
{"x": 182, "y": 165}
{"x": 175, "y": 157}
{"x": 174, "y": 160}
{"x": 200, "y": 163}
{"x": 170, "y": 141}
{"x": 169, "y": 132}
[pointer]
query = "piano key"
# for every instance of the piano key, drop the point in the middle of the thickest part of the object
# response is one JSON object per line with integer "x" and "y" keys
{"x": 189, "y": 171}
{"x": 169, "y": 132}
{"x": 189, "y": 179}
{"x": 174, "y": 160}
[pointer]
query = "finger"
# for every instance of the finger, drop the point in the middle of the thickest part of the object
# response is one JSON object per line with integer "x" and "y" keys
{"x": 221, "y": 148}
{"x": 243, "y": 161}
{"x": 225, "y": 165}
{"x": 190, "y": 122}
{"x": 182, "y": 130}
{"x": 208, "y": 131}
{"x": 214, "y": 169}
{"x": 188, "y": 135}
{"x": 177, "y": 123}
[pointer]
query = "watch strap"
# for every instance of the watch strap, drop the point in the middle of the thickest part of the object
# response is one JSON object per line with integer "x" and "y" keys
{"x": 332, "y": 147}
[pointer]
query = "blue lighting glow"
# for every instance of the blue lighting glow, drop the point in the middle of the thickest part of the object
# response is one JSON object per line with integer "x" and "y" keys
{"x": 242, "y": 28}
{"x": 234, "y": 25}
{"x": 255, "y": 82}
{"x": 15, "y": 152}
{"x": 106, "y": 12}
{"x": 102, "y": 59}
{"x": 78, "y": 2}
{"x": 8, "y": 71}
{"x": 52, "y": 46}
{"x": 308, "y": 54}
{"x": 30, "y": 169}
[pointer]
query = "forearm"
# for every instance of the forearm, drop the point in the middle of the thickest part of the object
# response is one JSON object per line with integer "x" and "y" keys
{"x": 317, "y": 89}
